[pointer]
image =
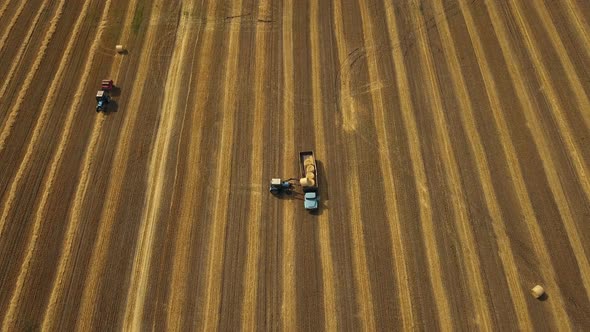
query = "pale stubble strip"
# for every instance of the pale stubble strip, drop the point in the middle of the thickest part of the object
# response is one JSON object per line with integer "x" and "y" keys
{"x": 328, "y": 277}
{"x": 289, "y": 293}
{"x": 216, "y": 257}
{"x": 398, "y": 253}
{"x": 516, "y": 174}
{"x": 485, "y": 178}
{"x": 349, "y": 108}
{"x": 430, "y": 241}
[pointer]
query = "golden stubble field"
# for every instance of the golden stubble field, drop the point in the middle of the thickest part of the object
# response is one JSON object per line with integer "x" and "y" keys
{"x": 451, "y": 137}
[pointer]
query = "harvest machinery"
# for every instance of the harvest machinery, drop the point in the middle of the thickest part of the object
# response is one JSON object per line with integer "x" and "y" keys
{"x": 102, "y": 100}
{"x": 102, "y": 96}
{"x": 308, "y": 182}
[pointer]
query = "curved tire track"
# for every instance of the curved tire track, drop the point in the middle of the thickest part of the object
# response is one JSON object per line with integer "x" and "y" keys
{"x": 361, "y": 274}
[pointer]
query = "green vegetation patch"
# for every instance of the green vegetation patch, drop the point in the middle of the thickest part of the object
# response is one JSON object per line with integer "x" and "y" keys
{"x": 137, "y": 19}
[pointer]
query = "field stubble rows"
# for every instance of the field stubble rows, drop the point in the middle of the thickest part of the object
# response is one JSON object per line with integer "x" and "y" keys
{"x": 451, "y": 143}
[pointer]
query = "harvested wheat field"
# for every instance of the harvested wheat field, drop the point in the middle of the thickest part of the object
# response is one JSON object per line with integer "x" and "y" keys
{"x": 452, "y": 145}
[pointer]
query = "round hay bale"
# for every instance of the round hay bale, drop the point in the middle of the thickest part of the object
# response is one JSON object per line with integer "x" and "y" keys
{"x": 309, "y": 168}
{"x": 304, "y": 182}
{"x": 537, "y": 291}
{"x": 311, "y": 182}
{"x": 120, "y": 48}
{"x": 310, "y": 175}
{"x": 308, "y": 161}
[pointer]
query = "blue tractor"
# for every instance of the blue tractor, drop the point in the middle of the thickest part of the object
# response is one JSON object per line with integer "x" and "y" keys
{"x": 278, "y": 186}
{"x": 102, "y": 100}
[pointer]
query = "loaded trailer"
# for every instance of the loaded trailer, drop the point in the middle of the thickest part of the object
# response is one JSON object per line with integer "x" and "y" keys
{"x": 309, "y": 180}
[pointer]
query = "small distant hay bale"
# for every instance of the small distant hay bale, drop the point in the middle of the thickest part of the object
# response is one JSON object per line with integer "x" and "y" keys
{"x": 538, "y": 291}
{"x": 120, "y": 48}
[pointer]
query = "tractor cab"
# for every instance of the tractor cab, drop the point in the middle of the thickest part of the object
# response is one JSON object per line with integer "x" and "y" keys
{"x": 311, "y": 200}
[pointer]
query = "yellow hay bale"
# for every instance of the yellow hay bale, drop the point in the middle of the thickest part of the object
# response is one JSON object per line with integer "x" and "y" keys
{"x": 537, "y": 291}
